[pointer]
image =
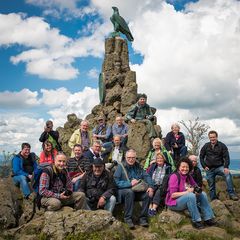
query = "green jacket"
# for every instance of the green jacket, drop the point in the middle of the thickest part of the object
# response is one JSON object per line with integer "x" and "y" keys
{"x": 139, "y": 112}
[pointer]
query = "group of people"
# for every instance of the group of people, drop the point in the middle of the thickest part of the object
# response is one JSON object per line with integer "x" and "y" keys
{"x": 103, "y": 171}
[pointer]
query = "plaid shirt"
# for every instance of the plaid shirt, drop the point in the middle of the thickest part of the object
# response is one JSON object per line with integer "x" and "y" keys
{"x": 56, "y": 186}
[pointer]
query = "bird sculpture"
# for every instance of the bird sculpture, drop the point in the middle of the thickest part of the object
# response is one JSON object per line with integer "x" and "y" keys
{"x": 120, "y": 25}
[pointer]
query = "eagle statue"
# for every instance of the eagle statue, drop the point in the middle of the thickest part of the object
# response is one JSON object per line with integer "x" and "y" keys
{"x": 120, "y": 25}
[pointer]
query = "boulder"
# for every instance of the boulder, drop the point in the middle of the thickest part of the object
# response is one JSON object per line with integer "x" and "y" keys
{"x": 138, "y": 139}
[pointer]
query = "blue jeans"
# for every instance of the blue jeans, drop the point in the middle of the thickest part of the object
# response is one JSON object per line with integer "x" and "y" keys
{"x": 211, "y": 175}
{"x": 128, "y": 197}
{"x": 191, "y": 202}
{"x": 109, "y": 206}
{"x": 23, "y": 182}
{"x": 76, "y": 185}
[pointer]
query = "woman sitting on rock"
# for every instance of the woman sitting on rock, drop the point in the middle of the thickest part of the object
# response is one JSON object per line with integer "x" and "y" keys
{"x": 48, "y": 154}
{"x": 158, "y": 148}
{"x": 158, "y": 171}
{"x": 183, "y": 193}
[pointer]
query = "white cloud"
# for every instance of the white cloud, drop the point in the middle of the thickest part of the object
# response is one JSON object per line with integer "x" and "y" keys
{"x": 93, "y": 73}
{"x": 23, "y": 99}
{"x": 79, "y": 103}
{"x": 62, "y": 8}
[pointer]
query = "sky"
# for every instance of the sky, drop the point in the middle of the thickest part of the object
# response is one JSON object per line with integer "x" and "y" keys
{"x": 186, "y": 55}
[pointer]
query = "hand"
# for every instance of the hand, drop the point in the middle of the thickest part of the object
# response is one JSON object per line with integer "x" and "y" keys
{"x": 175, "y": 145}
{"x": 226, "y": 170}
{"x": 206, "y": 168}
{"x": 62, "y": 196}
{"x": 80, "y": 176}
{"x": 133, "y": 121}
{"x": 153, "y": 161}
{"x": 191, "y": 189}
{"x": 101, "y": 202}
{"x": 134, "y": 182}
{"x": 46, "y": 129}
{"x": 150, "y": 192}
{"x": 30, "y": 176}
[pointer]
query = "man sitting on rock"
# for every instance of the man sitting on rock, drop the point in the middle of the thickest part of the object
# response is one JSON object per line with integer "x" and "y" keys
{"x": 127, "y": 175}
{"x": 99, "y": 187}
{"x": 117, "y": 153}
{"x": 81, "y": 136}
{"x": 196, "y": 172}
{"x": 120, "y": 128}
{"x": 103, "y": 132}
{"x": 94, "y": 151}
{"x": 23, "y": 167}
{"x": 56, "y": 188}
{"x": 142, "y": 111}
{"x": 77, "y": 166}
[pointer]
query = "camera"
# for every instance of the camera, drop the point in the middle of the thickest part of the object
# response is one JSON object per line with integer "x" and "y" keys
{"x": 197, "y": 189}
{"x": 68, "y": 193}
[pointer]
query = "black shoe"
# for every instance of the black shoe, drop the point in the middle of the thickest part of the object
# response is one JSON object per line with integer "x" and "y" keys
{"x": 130, "y": 224}
{"x": 210, "y": 222}
{"x": 234, "y": 197}
{"x": 143, "y": 222}
{"x": 198, "y": 225}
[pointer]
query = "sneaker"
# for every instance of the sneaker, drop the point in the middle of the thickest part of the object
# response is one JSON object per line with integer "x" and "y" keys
{"x": 152, "y": 212}
{"x": 143, "y": 222}
{"x": 130, "y": 224}
{"x": 197, "y": 225}
{"x": 210, "y": 222}
{"x": 234, "y": 197}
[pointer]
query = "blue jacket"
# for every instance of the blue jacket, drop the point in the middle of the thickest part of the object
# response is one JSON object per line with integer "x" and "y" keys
{"x": 134, "y": 172}
{"x": 17, "y": 165}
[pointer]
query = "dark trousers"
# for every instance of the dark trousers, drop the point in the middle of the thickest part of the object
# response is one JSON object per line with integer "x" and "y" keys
{"x": 128, "y": 197}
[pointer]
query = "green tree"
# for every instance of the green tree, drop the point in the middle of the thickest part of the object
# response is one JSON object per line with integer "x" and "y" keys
{"x": 196, "y": 132}
{"x": 5, "y": 163}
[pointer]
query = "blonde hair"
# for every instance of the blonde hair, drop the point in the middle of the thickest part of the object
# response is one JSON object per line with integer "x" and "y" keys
{"x": 160, "y": 155}
{"x": 157, "y": 140}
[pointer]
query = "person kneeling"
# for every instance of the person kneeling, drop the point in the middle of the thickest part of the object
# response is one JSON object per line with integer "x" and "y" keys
{"x": 99, "y": 187}
{"x": 183, "y": 193}
{"x": 56, "y": 188}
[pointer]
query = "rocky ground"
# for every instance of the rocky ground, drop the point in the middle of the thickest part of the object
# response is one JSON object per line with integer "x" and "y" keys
{"x": 70, "y": 224}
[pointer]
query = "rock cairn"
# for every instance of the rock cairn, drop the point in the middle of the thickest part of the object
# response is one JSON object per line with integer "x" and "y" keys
{"x": 120, "y": 88}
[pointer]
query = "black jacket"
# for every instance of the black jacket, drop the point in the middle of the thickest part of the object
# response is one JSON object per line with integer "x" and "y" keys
{"x": 197, "y": 176}
{"x": 214, "y": 157}
{"x": 54, "y": 135}
{"x": 170, "y": 140}
{"x": 96, "y": 187}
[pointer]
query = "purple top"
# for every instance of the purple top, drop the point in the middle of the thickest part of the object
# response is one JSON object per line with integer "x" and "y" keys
{"x": 174, "y": 186}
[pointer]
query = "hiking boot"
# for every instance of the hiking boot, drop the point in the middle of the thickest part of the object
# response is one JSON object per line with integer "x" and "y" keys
{"x": 234, "y": 197}
{"x": 210, "y": 222}
{"x": 198, "y": 225}
{"x": 143, "y": 222}
{"x": 152, "y": 212}
{"x": 130, "y": 224}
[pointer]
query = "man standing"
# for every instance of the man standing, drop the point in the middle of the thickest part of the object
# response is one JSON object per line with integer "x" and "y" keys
{"x": 56, "y": 187}
{"x": 77, "y": 166}
{"x": 99, "y": 187}
{"x": 214, "y": 157}
{"x": 81, "y": 136}
{"x": 120, "y": 128}
{"x": 142, "y": 111}
{"x": 50, "y": 135}
{"x": 126, "y": 176}
{"x": 23, "y": 167}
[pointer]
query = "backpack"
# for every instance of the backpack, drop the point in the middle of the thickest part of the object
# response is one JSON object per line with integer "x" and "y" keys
{"x": 43, "y": 167}
{"x": 164, "y": 188}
